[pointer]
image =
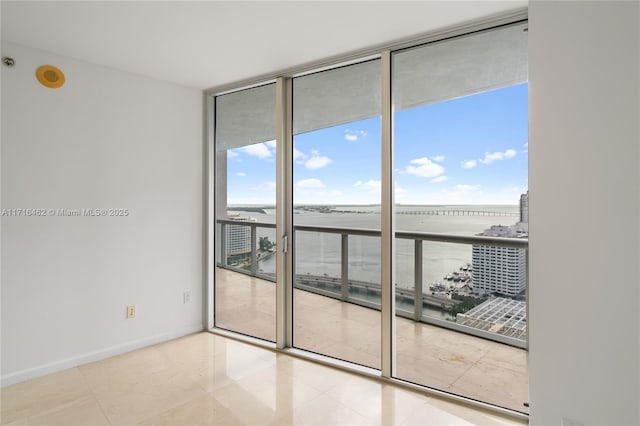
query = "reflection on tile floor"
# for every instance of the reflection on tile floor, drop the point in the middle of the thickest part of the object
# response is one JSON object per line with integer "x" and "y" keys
{"x": 428, "y": 355}
{"x": 205, "y": 379}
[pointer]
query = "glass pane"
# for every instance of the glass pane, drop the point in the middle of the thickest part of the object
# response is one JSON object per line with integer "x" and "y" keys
{"x": 405, "y": 278}
{"x": 266, "y": 253}
{"x": 460, "y": 151}
{"x": 318, "y": 263}
{"x": 245, "y": 212}
{"x": 364, "y": 271}
{"x": 336, "y": 177}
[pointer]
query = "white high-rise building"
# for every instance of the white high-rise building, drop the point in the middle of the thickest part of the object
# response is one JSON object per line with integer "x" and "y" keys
{"x": 238, "y": 237}
{"x": 500, "y": 270}
{"x": 238, "y": 240}
{"x": 524, "y": 208}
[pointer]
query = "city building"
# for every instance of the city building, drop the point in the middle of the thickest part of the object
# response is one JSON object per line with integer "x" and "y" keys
{"x": 502, "y": 270}
{"x": 238, "y": 237}
{"x": 524, "y": 208}
{"x": 499, "y": 270}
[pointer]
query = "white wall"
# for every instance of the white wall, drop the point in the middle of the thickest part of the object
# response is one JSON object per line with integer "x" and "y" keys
{"x": 107, "y": 139}
{"x": 584, "y": 212}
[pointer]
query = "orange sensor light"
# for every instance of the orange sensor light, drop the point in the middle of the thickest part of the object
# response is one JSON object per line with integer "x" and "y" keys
{"x": 50, "y": 76}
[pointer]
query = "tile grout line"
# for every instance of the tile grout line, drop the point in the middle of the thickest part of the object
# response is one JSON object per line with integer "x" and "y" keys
{"x": 93, "y": 394}
{"x": 473, "y": 364}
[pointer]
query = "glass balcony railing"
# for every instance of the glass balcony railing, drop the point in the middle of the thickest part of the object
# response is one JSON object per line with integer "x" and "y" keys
{"x": 484, "y": 296}
{"x": 247, "y": 247}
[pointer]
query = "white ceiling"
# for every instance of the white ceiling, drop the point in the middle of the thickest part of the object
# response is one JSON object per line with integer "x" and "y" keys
{"x": 205, "y": 44}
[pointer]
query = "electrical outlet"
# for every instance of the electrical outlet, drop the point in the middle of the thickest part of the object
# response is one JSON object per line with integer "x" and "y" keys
{"x": 131, "y": 311}
{"x": 186, "y": 297}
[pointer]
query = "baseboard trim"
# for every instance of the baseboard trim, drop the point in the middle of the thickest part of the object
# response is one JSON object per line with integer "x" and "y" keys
{"x": 54, "y": 367}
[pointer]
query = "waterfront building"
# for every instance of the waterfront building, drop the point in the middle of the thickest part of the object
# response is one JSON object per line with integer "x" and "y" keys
{"x": 501, "y": 270}
{"x": 524, "y": 208}
{"x": 238, "y": 238}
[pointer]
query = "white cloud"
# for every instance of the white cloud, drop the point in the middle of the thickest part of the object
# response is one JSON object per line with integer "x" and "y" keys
{"x": 313, "y": 191}
{"x": 232, "y": 153}
{"x": 297, "y": 154}
{"x": 366, "y": 192}
{"x": 439, "y": 179}
{"x": 490, "y": 157}
{"x": 271, "y": 144}
{"x": 369, "y": 192}
{"x": 469, "y": 164}
{"x": 317, "y": 161}
{"x": 423, "y": 167}
{"x": 241, "y": 174}
{"x": 311, "y": 183}
{"x": 259, "y": 150}
{"x": 438, "y": 158}
{"x": 354, "y": 135}
{"x": 370, "y": 185}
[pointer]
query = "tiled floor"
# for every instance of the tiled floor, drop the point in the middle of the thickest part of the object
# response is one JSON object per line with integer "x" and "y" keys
{"x": 208, "y": 379}
{"x": 428, "y": 355}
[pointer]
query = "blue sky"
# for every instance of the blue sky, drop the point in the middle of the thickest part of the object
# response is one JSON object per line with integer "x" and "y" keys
{"x": 470, "y": 150}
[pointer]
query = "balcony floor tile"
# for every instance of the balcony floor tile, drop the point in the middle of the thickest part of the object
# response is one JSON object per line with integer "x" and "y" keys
{"x": 427, "y": 355}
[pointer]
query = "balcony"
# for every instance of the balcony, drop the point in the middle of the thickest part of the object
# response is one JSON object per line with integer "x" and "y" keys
{"x": 471, "y": 356}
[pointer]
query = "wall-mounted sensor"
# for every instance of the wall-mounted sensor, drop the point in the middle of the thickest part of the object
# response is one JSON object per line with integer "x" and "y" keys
{"x": 8, "y": 61}
{"x": 50, "y": 76}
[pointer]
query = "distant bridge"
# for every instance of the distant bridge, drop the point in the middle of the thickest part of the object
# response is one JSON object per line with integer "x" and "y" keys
{"x": 456, "y": 212}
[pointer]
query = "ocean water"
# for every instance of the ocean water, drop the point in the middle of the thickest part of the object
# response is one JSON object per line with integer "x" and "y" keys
{"x": 319, "y": 253}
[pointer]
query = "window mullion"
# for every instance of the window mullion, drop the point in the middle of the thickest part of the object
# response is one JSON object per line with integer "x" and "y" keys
{"x": 387, "y": 211}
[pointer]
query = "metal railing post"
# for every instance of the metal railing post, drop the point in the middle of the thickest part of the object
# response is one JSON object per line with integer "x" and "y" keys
{"x": 344, "y": 264}
{"x": 417, "y": 280}
{"x": 254, "y": 257}
{"x": 527, "y": 295}
{"x": 223, "y": 244}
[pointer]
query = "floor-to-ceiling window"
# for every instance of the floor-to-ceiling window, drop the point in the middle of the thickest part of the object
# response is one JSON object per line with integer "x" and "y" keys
{"x": 460, "y": 139}
{"x": 336, "y": 192}
{"x": 245, "y": 206}
{"x": 458, "y": 165}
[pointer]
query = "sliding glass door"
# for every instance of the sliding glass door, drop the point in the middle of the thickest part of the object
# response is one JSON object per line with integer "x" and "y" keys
{"x": 245, "y": 212}
{"x": 336, "y": 213}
